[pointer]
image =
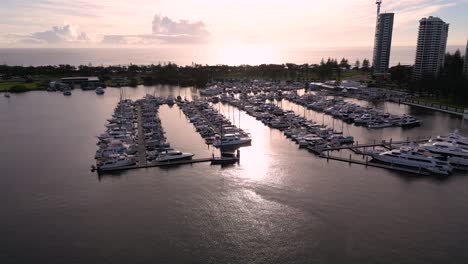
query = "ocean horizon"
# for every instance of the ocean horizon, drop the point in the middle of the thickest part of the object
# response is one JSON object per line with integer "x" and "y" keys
{"x": 145, "y": 56}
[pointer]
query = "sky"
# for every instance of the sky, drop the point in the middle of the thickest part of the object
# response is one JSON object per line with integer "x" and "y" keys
{"x": 228, "y": 26}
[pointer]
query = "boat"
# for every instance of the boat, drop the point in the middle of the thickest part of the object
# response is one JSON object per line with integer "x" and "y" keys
{"x": 316, "y": 144}
{"x": 410, "y": 121}
{"x": 454, "y": 138}
{"x": 454, "y": 154}
{"x": 116, "y": 163}
{"x": 379, "y": 124}
{"x": 67, "y": 92}
{"x": 230, "y": 140}
{"x": 7, "y": 95}
{"x": 363, "y": 119}
{"x": 170, "y": 100}
{"x": 99, "y": 91}
{"x": 173, "y": 155}
{"x": 341, "y": 140}
{"x": 410, "y": 158}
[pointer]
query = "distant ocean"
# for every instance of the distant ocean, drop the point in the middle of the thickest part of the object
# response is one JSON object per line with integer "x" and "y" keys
{"x": 111, "y": 56}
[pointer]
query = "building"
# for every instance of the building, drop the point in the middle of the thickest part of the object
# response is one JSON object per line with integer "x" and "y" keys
{"x": 382, "y": 43}
{"x": 83, "y": 82}
{"x": 430, "y": 51}
{"x": 465, "y": 66}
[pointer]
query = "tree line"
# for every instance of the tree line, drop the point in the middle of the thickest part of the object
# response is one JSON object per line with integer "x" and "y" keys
{"x": 195, "y": 74}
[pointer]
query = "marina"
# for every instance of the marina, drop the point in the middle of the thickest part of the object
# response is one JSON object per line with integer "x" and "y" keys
{"x": 274, "y": 180}
{"x": 135, "y": 138}
{"x": 122, "y": 126}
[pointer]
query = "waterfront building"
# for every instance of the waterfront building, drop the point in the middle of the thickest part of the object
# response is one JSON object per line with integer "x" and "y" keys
{"x": 382, "y": 43}
{"x": 85, "y": 82}
{"x": 430, "y": 51}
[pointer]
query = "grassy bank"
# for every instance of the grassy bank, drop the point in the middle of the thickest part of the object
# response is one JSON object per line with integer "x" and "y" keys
{"x": 17, "y": 87}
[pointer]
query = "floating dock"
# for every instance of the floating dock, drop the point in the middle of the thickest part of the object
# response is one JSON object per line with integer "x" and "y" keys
{"x": 383, "y": 143}
{"x": 367, "y": 163}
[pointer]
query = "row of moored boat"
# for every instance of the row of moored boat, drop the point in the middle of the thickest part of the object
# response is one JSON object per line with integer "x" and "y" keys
{"x": 213, "y": 126}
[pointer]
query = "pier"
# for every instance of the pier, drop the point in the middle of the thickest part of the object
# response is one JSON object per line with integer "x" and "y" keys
{"x": 141, "y": 139}
{"x": 158, "y": 164}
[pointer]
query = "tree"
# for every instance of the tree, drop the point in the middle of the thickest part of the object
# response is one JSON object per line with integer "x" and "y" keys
{"x": 401, "y": 74}
{"x": 365, "y": 64}
{"x": 357, "y": 65}
{"x": 344, "y": 64}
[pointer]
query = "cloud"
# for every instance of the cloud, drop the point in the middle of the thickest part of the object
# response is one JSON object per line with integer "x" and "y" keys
{"x": 56, "y": 35}
{"x": 165, "y": 31}
{"x": 181, "y": 30}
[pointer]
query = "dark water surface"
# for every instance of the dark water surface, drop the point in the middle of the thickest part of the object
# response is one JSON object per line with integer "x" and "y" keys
{"x": 279, "y": 205}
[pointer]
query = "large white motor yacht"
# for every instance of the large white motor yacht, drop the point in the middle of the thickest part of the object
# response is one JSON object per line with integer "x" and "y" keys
{"x": 414, "y": 159}
{"x": 173, "y": 155}
{"x": 115, "y": 163}
{"x": 454, "y": 153}
{"x": 230, "y": 140}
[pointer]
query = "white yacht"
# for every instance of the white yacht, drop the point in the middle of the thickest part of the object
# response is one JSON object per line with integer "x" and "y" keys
{"x": 230, "y": 140}
{"x": 109, "y": 148}
{"x": 116, "y": 163}
{"x": 408, "y": 121}
{"x": 173, "y": 155}
{"x": 410, "y": 158}
{"x": 363, "y": 119}
{"x": 454, "y": 153}
{"x": 454, "y": 138}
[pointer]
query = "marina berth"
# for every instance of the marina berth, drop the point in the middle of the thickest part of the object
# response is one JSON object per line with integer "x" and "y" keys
{"x": 295, "y": 127}
{"x": 213, "y": 126}
{"x": 352, "y": 113}
{"x": 135, "y": 138}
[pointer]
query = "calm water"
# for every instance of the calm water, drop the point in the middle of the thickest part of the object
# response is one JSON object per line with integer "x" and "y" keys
{"x": 181, "y": 56}
{"x": 279, "y": 205}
